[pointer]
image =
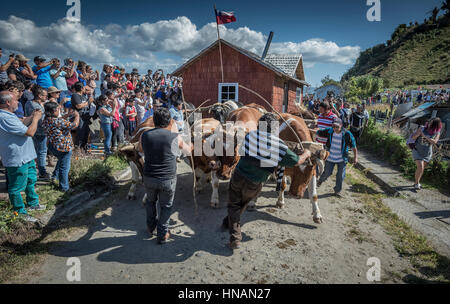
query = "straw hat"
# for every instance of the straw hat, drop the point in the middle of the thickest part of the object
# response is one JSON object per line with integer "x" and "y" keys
{"x": 51, "y": 90}
{"x": 21, "y": 57}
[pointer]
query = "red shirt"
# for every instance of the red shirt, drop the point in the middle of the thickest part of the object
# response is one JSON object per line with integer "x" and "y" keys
{"x": 130, "y": 86}
{"x": 131, "y": 110}
{"x": 324, "y": 122}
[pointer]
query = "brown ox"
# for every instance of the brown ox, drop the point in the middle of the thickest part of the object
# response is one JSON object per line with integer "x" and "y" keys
{"x": 213, "y": 159}
{"x": 301, "y": 178}
{"x": 305, "y": 176}
{"x": 213, "y": 167}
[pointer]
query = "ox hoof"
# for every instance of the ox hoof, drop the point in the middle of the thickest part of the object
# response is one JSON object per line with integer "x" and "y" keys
{"x": 280, "y": 205}
{"x": 318, "y": 220}
{"x": 215, "y": 205}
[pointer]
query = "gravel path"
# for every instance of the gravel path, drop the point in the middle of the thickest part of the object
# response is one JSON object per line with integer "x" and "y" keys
{"x": 279, "y": 246}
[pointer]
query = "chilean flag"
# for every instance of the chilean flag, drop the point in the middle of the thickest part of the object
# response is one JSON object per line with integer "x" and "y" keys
{"x": 224, "y": 17}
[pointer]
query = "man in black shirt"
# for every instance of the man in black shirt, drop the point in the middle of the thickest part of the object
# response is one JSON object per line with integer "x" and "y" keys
{"x": 160, "y": 147}
{"x": 81, "y": 105}
{"x": 357, "y": 120}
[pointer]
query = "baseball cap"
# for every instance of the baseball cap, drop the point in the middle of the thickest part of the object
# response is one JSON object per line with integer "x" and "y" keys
{"x": 116, "y": 72}
{"x": 338, "y": 122}
{"x": 39, "y": 58}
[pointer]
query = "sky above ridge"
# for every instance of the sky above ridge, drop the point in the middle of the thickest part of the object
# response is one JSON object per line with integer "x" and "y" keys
{"x": 151, "y": 34}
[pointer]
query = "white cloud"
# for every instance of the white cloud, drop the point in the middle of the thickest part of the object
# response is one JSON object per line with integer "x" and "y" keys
{"x": 64, "y": 38}
{"x": 136, "y": 45}
{"x": 319, "y": 51}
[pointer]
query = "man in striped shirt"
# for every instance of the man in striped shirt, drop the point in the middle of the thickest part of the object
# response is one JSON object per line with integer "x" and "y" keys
{"x": 338, "y": 140}
{"x": 325, "y": 120}
{"x": 262, "y": 152}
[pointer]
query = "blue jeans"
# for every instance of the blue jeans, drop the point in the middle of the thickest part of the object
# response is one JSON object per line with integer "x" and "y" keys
{"x": 107, "y": 130}
{"x": 40, "y": 144}
{"x": 62, "y": 167}
{"x": 162, "y": 191}
{"x": 329, "y": 167}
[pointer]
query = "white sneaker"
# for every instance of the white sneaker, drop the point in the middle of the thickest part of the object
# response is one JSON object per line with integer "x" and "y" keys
{"x": 37, "y": 208}
{"x": 28, "y": 218}
{"x": 418, "y": 186}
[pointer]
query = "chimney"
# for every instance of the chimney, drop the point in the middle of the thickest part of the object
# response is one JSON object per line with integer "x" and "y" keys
{"x": 266, "y": 49}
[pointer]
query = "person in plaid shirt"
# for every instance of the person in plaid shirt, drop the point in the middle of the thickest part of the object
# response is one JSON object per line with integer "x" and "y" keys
{"x": 60, "y": 141}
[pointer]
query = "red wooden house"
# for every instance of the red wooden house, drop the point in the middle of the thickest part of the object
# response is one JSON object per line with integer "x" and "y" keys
{"x": 278, "y": 78}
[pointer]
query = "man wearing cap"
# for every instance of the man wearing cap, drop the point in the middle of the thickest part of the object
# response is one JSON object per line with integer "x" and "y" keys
{"x": 25, "y": 68}
{"x": 42, "y": 71}
{"x": 59, "y": 77}
{"x": 17, "y": 153}
{"x": 338, "y": 142}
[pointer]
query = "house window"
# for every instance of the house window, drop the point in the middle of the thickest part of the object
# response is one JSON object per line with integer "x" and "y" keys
{"x": 228, "y": 91}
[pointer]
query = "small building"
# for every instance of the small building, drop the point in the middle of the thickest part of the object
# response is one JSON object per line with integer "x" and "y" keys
{"x": 276, "y": 78}
{"x": 331, "y": 89}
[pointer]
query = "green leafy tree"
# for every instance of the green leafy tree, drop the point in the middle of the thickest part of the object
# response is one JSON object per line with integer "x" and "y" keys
{"x": 446, "y": 7}
{"x": 326, "y": 79}
{"x": 361, "y": 87}
{"x": 434, "y": 14}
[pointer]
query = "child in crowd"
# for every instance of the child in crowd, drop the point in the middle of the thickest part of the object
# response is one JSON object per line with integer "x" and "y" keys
{"x": 131, "y": 114}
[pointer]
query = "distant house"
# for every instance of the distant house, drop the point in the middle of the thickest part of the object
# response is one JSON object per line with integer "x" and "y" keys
{"x": 323, "y": 92}
{"x": 276, "y": 78}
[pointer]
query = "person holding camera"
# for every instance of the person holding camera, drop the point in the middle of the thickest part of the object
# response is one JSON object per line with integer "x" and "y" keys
{"x": 39, "y": 139}
{"x": 71, "y": 71}
{"x": 59, "y": 76}
{"x": 58, "y": 131}
{"x": 106, "y": 113}
{"x": 4, "y": 67}
{"x": 25, "y": 69}
{"x": 18, "y": 154}
{"x": 81, "y": 104}
{"x": 42, "y": 71}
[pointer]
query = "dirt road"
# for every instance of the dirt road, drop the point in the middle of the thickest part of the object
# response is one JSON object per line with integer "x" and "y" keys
{"x": 279, "y": 246}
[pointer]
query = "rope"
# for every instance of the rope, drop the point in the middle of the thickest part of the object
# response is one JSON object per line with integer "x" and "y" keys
{"x": 191, "y": 156}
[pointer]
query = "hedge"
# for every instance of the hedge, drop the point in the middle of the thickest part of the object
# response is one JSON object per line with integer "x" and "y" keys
{"x": 392, "y": 148}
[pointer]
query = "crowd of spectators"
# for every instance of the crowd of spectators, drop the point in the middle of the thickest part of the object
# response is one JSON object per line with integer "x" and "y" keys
{"x": 69, "y": 98}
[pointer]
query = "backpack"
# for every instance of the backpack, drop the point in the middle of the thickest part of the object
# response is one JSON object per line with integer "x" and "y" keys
{"x": 345, "y": 118}
{"x": 411, "y": 143}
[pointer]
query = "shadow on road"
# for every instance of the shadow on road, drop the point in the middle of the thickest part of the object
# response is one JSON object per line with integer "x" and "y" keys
{"x": 119, "y": 234}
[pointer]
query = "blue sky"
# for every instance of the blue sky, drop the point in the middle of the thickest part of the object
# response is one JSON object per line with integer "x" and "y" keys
{"x": 150, "y": 34}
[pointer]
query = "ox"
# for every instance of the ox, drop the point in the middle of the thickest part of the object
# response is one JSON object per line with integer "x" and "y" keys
{"x": 304, "y": 177}
{"x": 219, "y": 163}
{"x": 301, "y": 178}
{"x": 212, "y": 167}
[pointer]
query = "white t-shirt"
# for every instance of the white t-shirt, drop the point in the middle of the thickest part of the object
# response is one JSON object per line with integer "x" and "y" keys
{"x": 336, "y": 149}
{"x": 139, "y": 109}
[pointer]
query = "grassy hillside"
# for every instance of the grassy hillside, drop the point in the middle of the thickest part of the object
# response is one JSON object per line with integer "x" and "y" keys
{"x": 416, "y": 54}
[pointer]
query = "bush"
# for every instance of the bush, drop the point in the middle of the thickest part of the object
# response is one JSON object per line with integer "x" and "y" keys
{"x": 94, "y": 173}
{"x": 392, "y": 148}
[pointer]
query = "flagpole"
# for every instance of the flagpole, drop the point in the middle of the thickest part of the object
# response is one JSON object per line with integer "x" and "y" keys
{"x": 220, "y": 44}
